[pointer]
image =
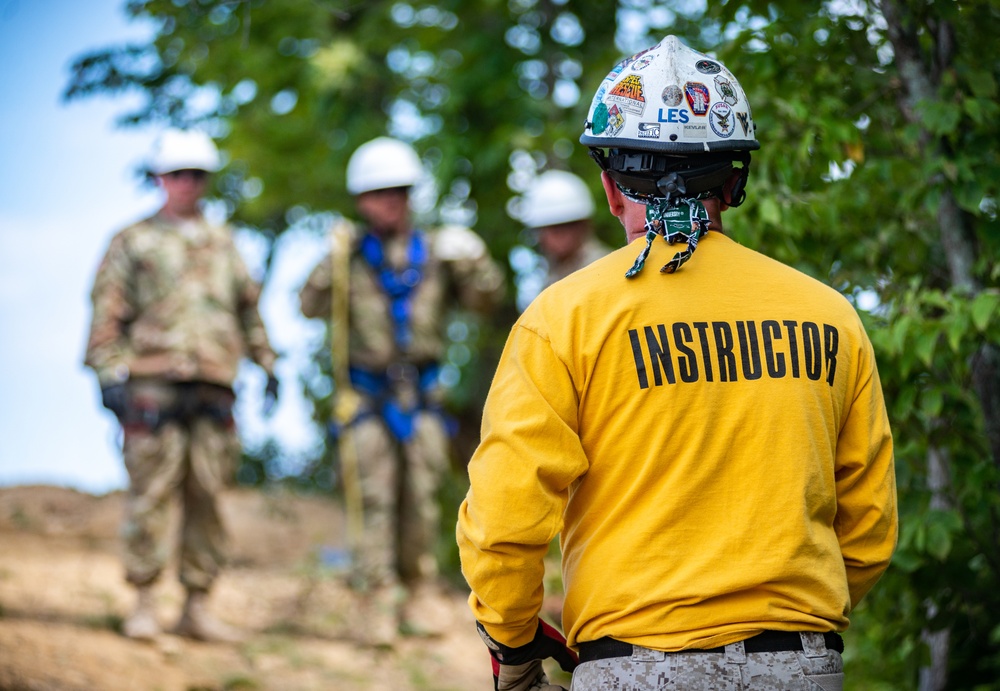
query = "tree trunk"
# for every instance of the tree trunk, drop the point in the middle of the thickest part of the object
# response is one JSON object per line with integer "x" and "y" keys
{"x": 935, "y": 676}
{"x": 921, "y": 81}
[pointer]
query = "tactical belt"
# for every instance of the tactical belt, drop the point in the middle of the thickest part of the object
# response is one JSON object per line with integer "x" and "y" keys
{"x": 766, "y": 642}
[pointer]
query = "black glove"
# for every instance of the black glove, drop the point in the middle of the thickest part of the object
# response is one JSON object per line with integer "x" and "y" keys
{"x": 547, "y": 643}
{"x": 270, "y": 394}
{"x": 113, "y": 398}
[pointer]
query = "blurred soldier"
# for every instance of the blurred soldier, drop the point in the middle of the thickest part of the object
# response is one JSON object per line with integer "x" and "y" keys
{"x": 709, "y": 440}
{"x": 174, "y": 311}
{"x": 558, "y": 206}
{"x": 400, "y": 282}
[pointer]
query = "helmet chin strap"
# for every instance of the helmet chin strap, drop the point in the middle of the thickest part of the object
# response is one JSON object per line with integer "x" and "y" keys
{"x": 677, "y": 218}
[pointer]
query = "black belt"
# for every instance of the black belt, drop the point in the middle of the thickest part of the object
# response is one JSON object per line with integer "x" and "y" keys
{"x": 767, "y": 642}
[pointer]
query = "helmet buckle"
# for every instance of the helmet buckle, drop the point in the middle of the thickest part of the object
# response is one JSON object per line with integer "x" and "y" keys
{"x": 671, "y": 186}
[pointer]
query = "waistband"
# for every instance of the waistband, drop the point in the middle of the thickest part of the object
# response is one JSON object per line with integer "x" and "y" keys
{"x": 766, "y": 642}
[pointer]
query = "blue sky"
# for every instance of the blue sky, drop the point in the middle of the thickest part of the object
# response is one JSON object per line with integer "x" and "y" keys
{"x": 66, "y": 185}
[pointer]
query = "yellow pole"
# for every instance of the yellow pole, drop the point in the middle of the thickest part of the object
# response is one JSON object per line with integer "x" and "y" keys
{"x": 346, "y": 399}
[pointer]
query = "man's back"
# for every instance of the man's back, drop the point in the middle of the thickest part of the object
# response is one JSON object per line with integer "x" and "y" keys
{"x": 702, "y": 428}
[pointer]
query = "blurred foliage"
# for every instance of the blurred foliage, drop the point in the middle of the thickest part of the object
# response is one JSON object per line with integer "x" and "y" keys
{"x": 878, "y": 174}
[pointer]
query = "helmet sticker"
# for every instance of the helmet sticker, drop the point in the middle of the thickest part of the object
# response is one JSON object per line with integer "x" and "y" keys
{"x": 600, "y": 122}
{"x": 696, "y": 130}
{"x": 616, "y": 121}
{"x": 672, "y": 95}
{"x": 643, "y": 62}
{"x": 599, "y": 96}
{"x": 708, "y": 67}
{"x": 726, "y": 90}
{"x": 628, "y": 93}
{"x": 721, "y": 119}
{"x": 616, "y": 70}
{"x": 649, "y": 130}
{"x": 697, "y": 97}
{"x": 744, "y": 119}
{"x": 673, "y": 115}
{"x": 642, "y": 56}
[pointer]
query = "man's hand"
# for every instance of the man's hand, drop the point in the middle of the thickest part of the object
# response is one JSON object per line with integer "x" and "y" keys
{"x": 455, "y": 243}
{"x": 270, "y": 394}
{"x": 520, "y": 669}
{"x": 113, "y": 397}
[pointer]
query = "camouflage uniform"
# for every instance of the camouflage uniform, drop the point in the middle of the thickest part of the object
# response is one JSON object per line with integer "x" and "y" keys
{"x": 814, "y": 667}
{"x": 399, "y": 433}
{"x": 174, "y": 311}
{"x": 591, "y": 251}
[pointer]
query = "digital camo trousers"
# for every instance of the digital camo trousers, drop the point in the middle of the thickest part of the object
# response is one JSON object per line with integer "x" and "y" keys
{"x": 813, "y": 669}
{"x": 399, "y": 484}
{"x": 191, "y": 460}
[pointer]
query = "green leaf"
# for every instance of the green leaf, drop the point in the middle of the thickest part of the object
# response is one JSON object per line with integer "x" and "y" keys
{"x": 770, "y": 212}
{"x": 958, "y": 325}
{"x": 983, "y": 307}
{"x": 938, "y": 541}
{"x": 903, "y": 405}
{"x": 925, "y": 347}
{"x": 907, "y": 561}
{"x": 900, "y": 329}
{"x": 931, "y": 403}
{"x": 983, "y": 84}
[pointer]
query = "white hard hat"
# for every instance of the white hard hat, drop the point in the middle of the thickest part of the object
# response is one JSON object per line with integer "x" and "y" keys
{"x": 556, "y": 197}
{"x": 670, "y": 99}
{"x": 183, "y": 150}
{"x": 381, "y": 164}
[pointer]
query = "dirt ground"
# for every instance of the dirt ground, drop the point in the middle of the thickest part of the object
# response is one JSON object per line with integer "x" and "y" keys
{"x": 63, "y": 598}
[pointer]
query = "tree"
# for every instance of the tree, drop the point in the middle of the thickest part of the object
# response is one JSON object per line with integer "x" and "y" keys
{"x": 901, "y": 99}
{"x": 877, "y": 174}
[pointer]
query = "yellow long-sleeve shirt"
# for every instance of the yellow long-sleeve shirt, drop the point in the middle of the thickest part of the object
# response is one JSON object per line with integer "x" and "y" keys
{"x": 712, "y": 445}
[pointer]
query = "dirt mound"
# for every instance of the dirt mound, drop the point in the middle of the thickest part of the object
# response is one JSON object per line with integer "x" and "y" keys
{"x": 63, "y": 598}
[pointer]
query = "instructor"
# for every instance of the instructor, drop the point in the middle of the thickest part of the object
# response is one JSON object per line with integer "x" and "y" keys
{"x": 720, "y": 474}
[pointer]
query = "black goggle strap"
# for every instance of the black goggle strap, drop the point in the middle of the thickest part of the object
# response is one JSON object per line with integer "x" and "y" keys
{"x": 677, "y": 220}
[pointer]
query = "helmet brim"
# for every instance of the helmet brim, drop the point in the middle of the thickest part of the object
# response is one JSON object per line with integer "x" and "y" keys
{"x": 682, "y": 148}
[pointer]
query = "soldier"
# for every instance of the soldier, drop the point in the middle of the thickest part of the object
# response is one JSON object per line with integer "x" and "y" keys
{"x": 174, "y": 311}
{"x": 558, "y": 207}
{"x": 710, "y": 441}
{"x": 400, "y": 281}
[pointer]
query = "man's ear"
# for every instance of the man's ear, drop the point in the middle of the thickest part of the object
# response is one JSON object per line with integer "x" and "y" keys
{"x": 616, "y": 200}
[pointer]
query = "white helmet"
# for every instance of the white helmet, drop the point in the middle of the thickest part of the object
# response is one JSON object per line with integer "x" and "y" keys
{"x": 670, "y": 99}
{"x": 556, "y": 197}
{"x": 381, "y": 164}
{"x": 673, "y": 121}
{"x": 183, "y": 150}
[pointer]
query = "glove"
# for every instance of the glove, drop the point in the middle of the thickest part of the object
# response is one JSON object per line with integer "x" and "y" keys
{"x": 520, "y": 669}
{"x": 526, "y": 677}
{"x": 454, "y": 243}
{"x": 270, "y": 394}
{"x": 113, "y": 398}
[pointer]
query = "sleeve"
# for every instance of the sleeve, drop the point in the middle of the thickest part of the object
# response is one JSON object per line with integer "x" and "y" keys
{"x": 315, "y": 297}
{"x": 478, "y": 279}
{"x": 254, "y": 332}
{"x": 866, "y": 522}
{"x": 520, "y": 477}
{"x": 108, "y": 350}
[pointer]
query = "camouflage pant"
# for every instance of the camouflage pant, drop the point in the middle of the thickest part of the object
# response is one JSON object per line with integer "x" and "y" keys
{"x": 399, "y": 483}
{"x": 814, "y": 668}
{"x": 185, "y": 449}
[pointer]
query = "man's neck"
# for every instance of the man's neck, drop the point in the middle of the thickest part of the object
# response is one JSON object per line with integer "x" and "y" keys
{"x": 180, "y": 214}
